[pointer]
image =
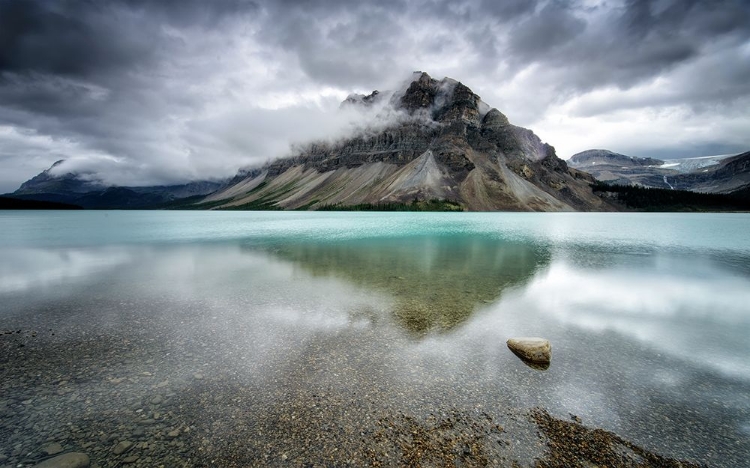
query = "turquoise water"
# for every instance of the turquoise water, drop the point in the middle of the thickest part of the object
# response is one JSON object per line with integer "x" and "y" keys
{"x": 648, "y": 315}
{"x": 709, "y": 231}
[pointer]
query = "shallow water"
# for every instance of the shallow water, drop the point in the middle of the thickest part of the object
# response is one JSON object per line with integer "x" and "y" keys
{"x": 245, "y": 337}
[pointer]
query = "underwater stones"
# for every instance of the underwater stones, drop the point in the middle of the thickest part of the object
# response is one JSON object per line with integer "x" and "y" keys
{"x": 67, "y": 460}
{"x": 535, "y": 352}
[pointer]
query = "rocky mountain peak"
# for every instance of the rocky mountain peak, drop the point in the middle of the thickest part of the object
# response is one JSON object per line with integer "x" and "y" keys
{"x": 460, "y": 104}
{"x": 444, "y": 101}
{"x": 420, "y": 94}
{"x": 366, "y": 100}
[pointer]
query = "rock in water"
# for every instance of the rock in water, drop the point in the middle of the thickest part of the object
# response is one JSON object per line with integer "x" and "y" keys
{"x": 53, "y": 449}
{"x": 67, "y": 460}
{"x": 122, "y": 447}
{"x": 535, "y": 352}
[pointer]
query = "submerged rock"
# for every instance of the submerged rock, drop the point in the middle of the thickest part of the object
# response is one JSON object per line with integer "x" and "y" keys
{"x": 53, "y": 449}
{"x": 67, "y": 460}
{"x": 536, "y": 352}
{"x": 122, "y": 447}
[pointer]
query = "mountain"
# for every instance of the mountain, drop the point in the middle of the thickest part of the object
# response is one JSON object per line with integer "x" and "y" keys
{"x": 68, "y": 183}
{"x": 728, "y": 175}
{"x": 444, "y": 146}
{"x": 711, "y": 174}
{"x": 605, "y": 157}
{"x": 81, "y": 190}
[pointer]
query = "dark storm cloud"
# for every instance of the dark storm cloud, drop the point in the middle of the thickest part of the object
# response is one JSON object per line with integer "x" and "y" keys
{"x": 80, "y": 37}
{"x": 627, "y": 45}
{"x": 42, "y": 37}
{"x": 151, "y": 91}
{"x": 539, "y": 35}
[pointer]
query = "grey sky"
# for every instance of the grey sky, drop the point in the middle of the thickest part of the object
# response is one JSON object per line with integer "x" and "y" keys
{"x": 144, "y": 92}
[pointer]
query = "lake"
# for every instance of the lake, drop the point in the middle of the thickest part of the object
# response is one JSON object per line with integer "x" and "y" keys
{"x": 288, "y": 338}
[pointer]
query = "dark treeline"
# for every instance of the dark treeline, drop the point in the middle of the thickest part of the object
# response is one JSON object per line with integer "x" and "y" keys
{"x": 427, "y": 205}
{"x": 657, "y": 199}
{"x": 8, "y": 203}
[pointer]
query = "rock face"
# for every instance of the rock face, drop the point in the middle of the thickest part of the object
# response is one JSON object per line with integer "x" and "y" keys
{"x": 68, "y": 460}
{"x": 533, "y": 351}
{"x": 711, "y": 174}
{"x": 446, "y": 144}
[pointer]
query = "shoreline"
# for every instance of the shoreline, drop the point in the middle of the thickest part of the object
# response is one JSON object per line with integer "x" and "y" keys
{"x": 135, "y": 418}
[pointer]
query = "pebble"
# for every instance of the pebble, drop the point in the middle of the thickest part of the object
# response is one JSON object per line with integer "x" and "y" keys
{"x": 122, "y": 447}
{"x": 173, "y": 434}
{"x": 52, "y": 449}
{"x": 157, "y": 400}
{"x": 130, "y": 459}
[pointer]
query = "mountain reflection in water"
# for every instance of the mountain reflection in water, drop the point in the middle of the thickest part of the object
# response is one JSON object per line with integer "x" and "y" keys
{"x": 435, "y": 282}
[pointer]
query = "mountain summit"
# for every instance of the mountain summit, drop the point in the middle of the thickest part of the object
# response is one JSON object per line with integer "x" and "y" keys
{"x": 441, "y": 143}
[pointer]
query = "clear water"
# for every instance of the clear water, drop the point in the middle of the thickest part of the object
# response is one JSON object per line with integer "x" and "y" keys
{"x": 266, "y": 327}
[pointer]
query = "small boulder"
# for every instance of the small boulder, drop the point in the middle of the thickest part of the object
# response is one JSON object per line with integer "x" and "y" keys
{"x": 536, "y": 352}
{"x": 67, "y": 460}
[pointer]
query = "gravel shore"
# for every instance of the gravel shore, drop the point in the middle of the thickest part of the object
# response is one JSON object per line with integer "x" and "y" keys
{"x": 130, "y": 402}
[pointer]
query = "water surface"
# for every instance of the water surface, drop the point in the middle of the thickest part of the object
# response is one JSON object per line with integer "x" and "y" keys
{"x": 276, "y": 337}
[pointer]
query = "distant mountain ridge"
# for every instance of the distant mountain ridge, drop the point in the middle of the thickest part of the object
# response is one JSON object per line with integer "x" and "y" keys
{"x": 448, "y": 145}
{"x": 76, "y": 189}
{"x": 602, "y": 156}
{"x": 709, "y": 174}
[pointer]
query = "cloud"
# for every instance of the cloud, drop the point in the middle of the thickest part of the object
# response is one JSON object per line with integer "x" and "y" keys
{"x": 545, "y": 33}
{"x": 151, "y": 91}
